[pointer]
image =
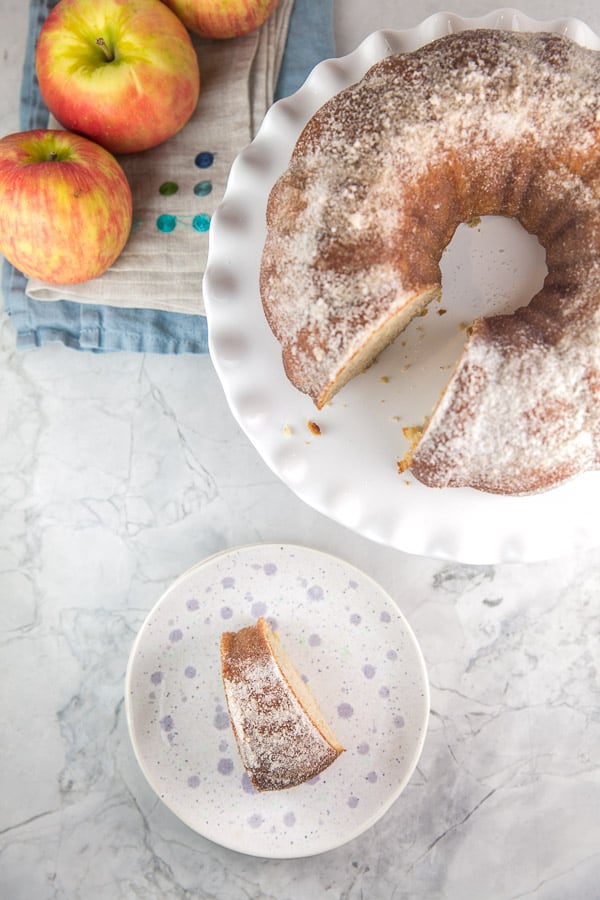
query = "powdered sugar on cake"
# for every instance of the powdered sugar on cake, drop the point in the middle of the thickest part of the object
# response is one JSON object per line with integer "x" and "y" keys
{"x": 482, "y": 122}
{"x": 281, "y": 734}
{"x": 272, "y": 731}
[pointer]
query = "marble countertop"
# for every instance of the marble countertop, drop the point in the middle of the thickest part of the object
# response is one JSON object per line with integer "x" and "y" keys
{"x": 118, "y": 473}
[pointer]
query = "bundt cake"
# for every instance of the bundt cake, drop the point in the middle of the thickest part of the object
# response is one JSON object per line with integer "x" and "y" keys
{"x": 281, "y": 734}
{"x": 476, "y": 123}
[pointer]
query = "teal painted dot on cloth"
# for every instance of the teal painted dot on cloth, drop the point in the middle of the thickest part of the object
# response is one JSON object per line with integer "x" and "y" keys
{"x": 166, "y": 223}
{"x": 168, "y": 188}
{"x": 201, "y": 222}
{"x": 203, "y": 188}
{"x": 204, "y": 159}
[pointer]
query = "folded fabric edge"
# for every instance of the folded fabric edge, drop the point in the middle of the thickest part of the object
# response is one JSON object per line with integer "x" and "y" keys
{"x": 99, "y": 328}
{"x": 311, "y": 34}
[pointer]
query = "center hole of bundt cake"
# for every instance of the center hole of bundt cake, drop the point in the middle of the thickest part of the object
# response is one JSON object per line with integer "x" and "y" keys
{"x": 491, "y": 266}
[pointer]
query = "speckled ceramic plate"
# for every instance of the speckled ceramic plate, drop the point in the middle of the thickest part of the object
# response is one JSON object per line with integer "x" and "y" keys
{"x": 349, "y": 472}
{"x": 346, "y": 637}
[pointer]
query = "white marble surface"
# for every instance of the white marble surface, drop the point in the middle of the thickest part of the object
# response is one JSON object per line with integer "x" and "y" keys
{"x": 119, "y": 472}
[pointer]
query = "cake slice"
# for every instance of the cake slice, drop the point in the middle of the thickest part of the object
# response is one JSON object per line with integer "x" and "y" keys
{"x": 280, "y": 731}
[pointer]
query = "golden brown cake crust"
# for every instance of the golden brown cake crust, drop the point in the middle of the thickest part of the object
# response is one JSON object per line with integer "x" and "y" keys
{"x": 476, "y": 123}
{"x": 281, "y": 741}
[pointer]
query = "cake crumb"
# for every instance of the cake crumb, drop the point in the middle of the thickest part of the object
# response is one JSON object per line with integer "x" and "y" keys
{"x": 413, "y": 434}
{"x": 441, "y": 311}
{"x": 288, "y": 430}
{"x": 313, "y": 427}
{"x": 384, "y": 379}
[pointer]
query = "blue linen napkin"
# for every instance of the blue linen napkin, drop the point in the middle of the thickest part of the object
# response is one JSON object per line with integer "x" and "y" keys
{"x": 100, "y": 328}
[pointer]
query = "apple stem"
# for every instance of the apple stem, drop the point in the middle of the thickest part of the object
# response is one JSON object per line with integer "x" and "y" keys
{"x": 104, "y": 47}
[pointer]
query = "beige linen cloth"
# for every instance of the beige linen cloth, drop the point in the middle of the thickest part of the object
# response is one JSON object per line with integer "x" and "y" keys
{"x": 163, "y": 269}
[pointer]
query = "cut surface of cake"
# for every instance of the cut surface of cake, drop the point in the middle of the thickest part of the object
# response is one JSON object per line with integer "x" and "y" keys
{"x": 280, "y": 731}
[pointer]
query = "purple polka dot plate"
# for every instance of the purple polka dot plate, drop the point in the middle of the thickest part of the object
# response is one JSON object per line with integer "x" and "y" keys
{"x": 488, "y": 269}
{"x": 348, "y": 640}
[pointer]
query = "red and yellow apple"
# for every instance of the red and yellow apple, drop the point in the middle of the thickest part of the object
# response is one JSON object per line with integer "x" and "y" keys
{"x": 222, "y": 18}
{"x": 65, "y": 205}
{"x": 122, "y": 72}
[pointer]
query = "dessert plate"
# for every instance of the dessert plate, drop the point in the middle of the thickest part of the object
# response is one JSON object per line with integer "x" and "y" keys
{"x": 348, "y": 471}
{"x": 346, "y": 637}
